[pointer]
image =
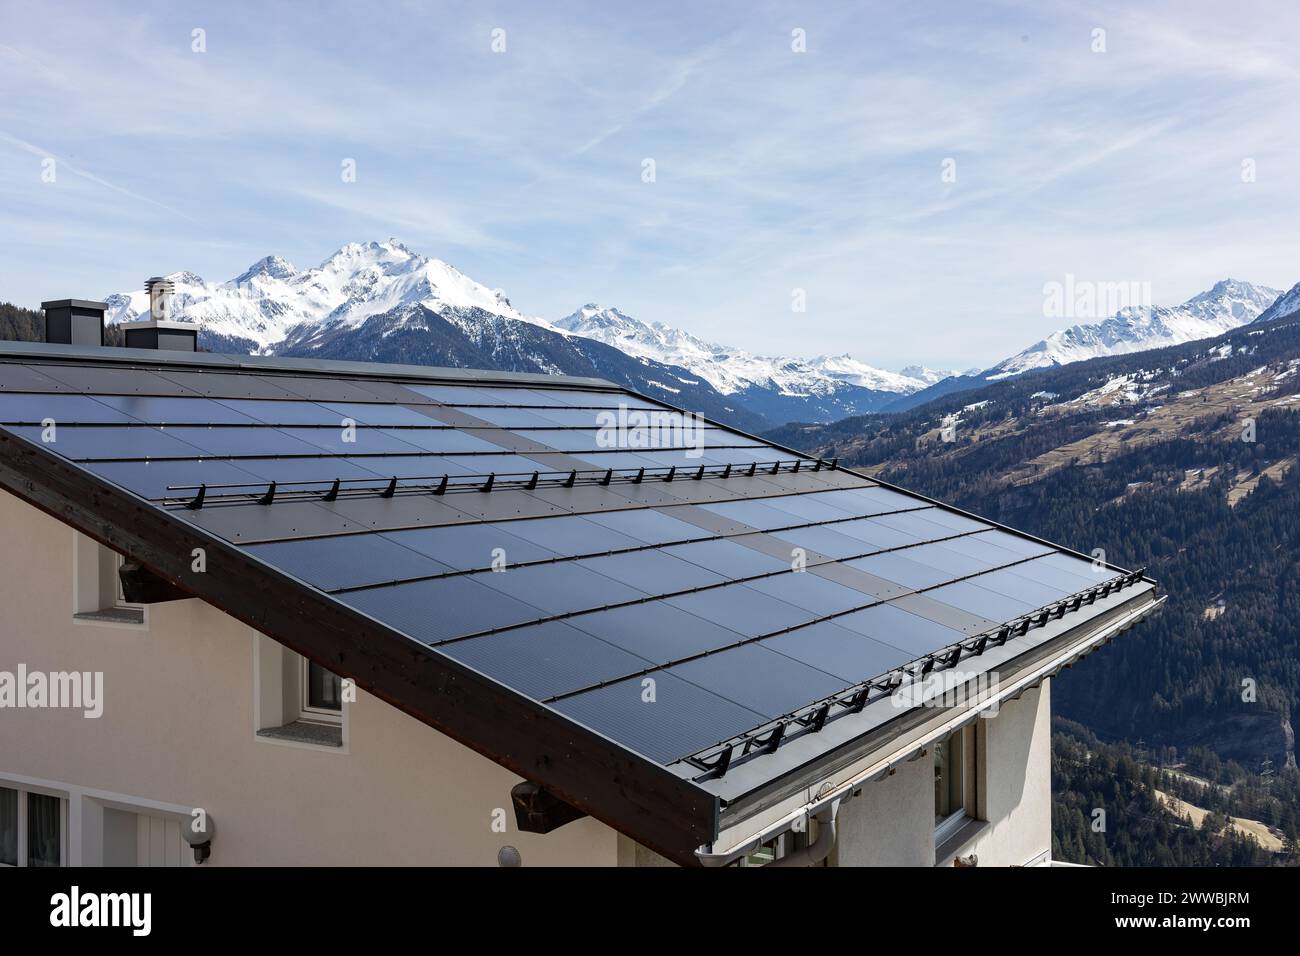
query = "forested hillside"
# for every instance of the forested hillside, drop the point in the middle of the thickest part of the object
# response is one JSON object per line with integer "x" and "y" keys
{"x": 1117, "y": 805}
{"x": 19, "y": 324}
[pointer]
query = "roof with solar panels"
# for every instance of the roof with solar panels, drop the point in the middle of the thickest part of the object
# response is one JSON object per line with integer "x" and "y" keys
{"x": 671, "y": 625}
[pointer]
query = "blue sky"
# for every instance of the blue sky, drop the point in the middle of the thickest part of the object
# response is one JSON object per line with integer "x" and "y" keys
{"x": 775, "y": 170}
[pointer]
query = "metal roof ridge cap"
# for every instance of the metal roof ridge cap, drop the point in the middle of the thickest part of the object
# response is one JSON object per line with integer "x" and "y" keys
{"x": 438, "y": 374}
{"x": 110, "y": 354}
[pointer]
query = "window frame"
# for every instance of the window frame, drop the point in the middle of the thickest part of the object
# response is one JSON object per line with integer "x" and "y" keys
{"x": 21, "y": 848}
{"x": 306, "y": 710}
{"x": 968, "y": 762}
{"x": 119, "y": 593}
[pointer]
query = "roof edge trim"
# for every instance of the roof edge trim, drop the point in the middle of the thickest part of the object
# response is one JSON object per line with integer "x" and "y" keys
{"x": 229, "y": 362}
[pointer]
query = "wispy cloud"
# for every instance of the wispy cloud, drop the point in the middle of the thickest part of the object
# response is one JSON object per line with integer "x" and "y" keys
{"x": 60, "y": 163}
{"x": 774, "y": 169}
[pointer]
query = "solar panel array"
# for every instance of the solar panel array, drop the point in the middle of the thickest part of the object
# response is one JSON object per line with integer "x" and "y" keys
{"x": 671, "y": 587}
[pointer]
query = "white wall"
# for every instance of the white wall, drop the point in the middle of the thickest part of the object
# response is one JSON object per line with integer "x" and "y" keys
{"x": 891, "y": 823}
{"x": 1017, "y": 781}
{"x": 177, "y": 728}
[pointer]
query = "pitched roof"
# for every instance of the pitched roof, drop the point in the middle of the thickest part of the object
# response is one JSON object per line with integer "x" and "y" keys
{"x": 669, "y": 623}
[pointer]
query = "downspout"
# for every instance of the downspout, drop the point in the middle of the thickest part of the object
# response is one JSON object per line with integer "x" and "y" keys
{"x": 810, "y": 855}
{"x": 820, "y": 848}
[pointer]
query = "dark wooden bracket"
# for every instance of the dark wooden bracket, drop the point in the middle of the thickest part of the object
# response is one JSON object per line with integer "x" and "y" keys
{"x": 537, "y": 810}
{"x": 142, "y": 586}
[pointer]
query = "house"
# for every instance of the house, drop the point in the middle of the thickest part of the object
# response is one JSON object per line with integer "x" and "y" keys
{"x": 276, "y": 611}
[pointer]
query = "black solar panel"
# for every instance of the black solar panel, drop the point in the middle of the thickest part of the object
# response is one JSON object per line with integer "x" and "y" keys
{"x": 545, "y": 659}
{"x": 18, "y": 408}
{"x": 812, "y": 593}
{"x": 743, "y": 609}
{"x": 284, "y": 413}
{"x": 670, "y": 590}
{"x": 442, "y": 609}
{"x": 849, "y": 656}
{"x": 471, "y": 546}
{"x": 660, "y": 717}
{"x": 657, "y": 631}
{"x": 349, "y": 561}
{"x": 151, "y": 479}
{"x": 759, "y": 679}
{"x": 728, "y": 558}
{"x": 912, "y": 633}
{"x": 561, "y": 588}
{"x": 85, "y": 443}
{"x": 176, "y": 411}
{"x": 652, "y": 572}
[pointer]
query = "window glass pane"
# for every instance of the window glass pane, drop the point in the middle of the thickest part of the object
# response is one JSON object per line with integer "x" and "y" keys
{"x": 949, "y": 791}
{"x": 8, "y": 826}
{"x": 324, "y": 690}
{"x": 44, "y": 826}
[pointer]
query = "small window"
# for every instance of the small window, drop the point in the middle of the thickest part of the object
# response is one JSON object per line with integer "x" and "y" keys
{"x": 954, "y": 782}
{"x": 33, "y": 828}
{"x": 297, "y": 700}
{"x": 98, "y": 585}
{"x": 322, "y": 693}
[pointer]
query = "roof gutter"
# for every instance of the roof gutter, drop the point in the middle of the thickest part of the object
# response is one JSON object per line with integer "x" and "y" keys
{"x": 825, "y": 806}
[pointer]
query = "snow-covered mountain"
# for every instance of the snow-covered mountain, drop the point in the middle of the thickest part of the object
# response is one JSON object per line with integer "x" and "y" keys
{"x": 931, "y": 376}
{"x": 1226, "y": 306}
{"x": 783, "y": 389}
{"x": 273, "y": 303}
{"x": 380, "y": 301}
{"x": 1287, "y": 303}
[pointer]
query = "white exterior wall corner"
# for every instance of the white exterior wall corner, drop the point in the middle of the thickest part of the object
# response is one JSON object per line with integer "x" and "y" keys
{"x": 178, "y": 731}
{"x": 1016, "y": 781}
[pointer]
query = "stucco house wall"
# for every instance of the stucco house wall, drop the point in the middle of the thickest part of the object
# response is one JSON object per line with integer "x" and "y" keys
{"x": 1016, "y": 782}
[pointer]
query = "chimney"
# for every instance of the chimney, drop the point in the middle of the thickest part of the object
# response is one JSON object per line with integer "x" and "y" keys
{"x": 74, "y": 321}
{"x": 158, "y": 331}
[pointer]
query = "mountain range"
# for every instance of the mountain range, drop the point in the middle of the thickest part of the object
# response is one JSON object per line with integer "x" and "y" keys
{"x": 1228, "y": 305}
{"x": 379, "y": 301}
{"x": 781, "y": 389}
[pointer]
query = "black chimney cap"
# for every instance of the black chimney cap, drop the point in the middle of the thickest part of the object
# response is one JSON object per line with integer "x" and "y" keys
{"x": 74, "y": 321}
{"x": 74, "y": 304}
